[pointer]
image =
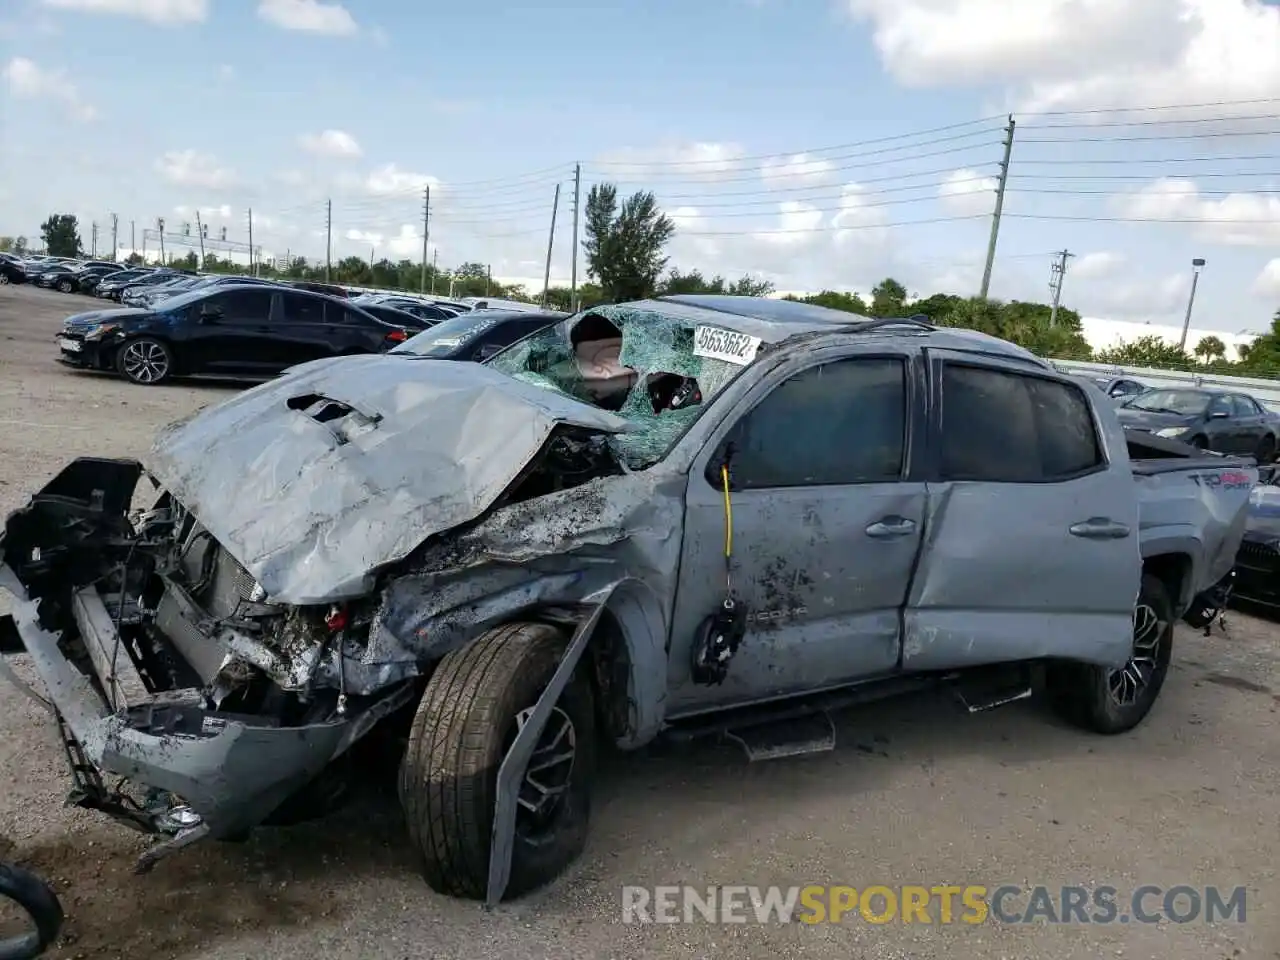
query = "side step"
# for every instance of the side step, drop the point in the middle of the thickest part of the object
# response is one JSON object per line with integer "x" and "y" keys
{"x": 795, "y": 737}
{"x": 977, "y": 700}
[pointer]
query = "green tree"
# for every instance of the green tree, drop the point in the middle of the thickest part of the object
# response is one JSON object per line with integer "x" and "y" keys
{"x": 1210, "y": 348}
{"x": 625, "y": 245}
{"x": 835, "y": 300}
{"x": 20, "y": 246}
{"x": 6, "y": 244}
{"x": 889, "y": 299}
{"x": 1149, "y": 351}
{"x": 61, "y": 235}
{"x": 676, "y": 282}
{"x": 134, "y": 259}
{"x": 188, "y": 262}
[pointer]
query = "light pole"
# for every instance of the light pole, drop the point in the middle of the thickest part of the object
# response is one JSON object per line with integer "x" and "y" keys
{"x": 1196, "y": 264}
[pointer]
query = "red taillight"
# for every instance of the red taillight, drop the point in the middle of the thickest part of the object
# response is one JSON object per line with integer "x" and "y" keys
{"x": 397, "y": 336}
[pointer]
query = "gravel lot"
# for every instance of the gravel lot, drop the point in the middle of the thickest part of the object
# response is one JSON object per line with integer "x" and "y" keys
{"x": 916, "y": 793}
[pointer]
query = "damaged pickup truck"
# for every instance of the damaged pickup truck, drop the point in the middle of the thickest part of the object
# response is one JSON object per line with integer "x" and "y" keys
{"x": 684, "y": 516}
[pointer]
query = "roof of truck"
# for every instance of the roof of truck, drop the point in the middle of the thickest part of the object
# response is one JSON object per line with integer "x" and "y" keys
{"x": 774, "y": 321}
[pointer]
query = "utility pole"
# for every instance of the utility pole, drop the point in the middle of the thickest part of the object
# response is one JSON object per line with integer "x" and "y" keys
{"x": 426, "y": 236}
{"x": 551, "y": 241}
{"x": 160, "y": 228}
{"x": 995, "y": 218}
{"x": 328, "y": 240}
{"x": 1196, "y": 264}
{"x": 253, "y": 264}
{"x": 200, "y": 230}
{"x": 133, "y": 237}
{"x": 573, "y": 270}
{"x": 1057, "y": 274}
{"x": 435, "y": 258}
{"x": 371, "y": 250}
{"x": 488, "y": 278}
{"x": 93, "y": 249}
{"x": 115, "y": 225}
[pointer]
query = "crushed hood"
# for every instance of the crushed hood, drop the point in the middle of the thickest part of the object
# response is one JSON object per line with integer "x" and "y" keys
{"x": 315, "y": 480}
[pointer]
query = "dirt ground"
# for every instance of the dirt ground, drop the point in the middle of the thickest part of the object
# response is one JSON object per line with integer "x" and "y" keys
{"x": 916, "y": 792}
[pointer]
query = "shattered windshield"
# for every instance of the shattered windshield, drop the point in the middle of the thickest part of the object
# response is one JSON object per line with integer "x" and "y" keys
{"x": 637, "y": 363}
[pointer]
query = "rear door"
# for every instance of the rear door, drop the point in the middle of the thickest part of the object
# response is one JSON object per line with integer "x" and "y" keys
{"x": 301, "y": 331}
{"x": 1032, "y": 538}
{"x": 826, "y": 522}
{"x": 1251, "y": 422}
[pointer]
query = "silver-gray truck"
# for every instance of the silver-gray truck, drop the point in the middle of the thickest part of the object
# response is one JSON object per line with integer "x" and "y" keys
{"x": 685, "y": 516}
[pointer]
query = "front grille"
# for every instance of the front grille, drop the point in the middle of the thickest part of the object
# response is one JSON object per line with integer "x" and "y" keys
{"x": 1258, "y": 556}
{"x": 229, "y": 587}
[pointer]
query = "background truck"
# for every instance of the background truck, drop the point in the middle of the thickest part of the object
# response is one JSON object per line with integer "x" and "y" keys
{"x": 686, "y": 516}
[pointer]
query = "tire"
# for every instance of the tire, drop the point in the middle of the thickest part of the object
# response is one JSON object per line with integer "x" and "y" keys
{"x": 4, "y": 279}
{"x": 145, "y": 361}
{"x": 66, "y": 286}
{"x": 1266, "y": 449}
{"x": 463, "y": 727}
{"x": 39, "y": 902}
{"x": 1199, "y": 442}
{"x": 1085, "y": 695}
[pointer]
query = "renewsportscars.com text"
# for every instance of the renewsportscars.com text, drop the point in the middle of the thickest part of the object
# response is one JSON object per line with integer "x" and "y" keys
{"x": 970, "y": 904}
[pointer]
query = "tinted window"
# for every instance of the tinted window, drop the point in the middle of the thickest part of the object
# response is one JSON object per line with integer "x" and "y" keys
{"x": 1006, "y": 427}
{"x": 1245, "y": 407}
{"x": 1182, "y": 402}
{"x": 247, "y": 306}
{"x": 842, "y": 422}
{"x": 1131, "y": 388}
{"x": 1220, "y": 405}
{"x": 449, "y": 338}
{"x": 302, "y": 309}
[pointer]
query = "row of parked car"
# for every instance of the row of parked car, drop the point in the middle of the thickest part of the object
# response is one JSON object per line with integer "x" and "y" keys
{"x": 173, "y": 323}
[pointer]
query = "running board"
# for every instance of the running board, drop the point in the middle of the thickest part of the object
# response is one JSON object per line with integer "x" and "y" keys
{"x": 796, "y": 737}
{"x": 978, "y": 702}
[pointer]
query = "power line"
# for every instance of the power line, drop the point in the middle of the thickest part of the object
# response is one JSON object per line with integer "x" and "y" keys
{"x": 1112, "y": 193}
{"x": 793, "y": 153}
{"x": 1101, "y": 111}
{"x": 1266, "y": 221}
{"x": 833, "y": 227}
{"x": 1137, "y": 160}
{"x": 1155, "y": 137}
{"x": 1132, "y": 176}
{"x": 1149, "y": 123}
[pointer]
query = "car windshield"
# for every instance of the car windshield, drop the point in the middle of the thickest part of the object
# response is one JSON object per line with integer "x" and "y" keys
{"x": 183, "y": 298}
{"x": 637, "y": 363}
{"x": 1182, "y": 402}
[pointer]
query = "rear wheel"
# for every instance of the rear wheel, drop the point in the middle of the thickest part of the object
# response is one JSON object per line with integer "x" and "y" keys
{"x": 145, "y": 360}
{"x": 1112, "y": 701}
{"x": 38, "y": 901}
{"x": 4, "y": 279}
{"x": 1267, "y": 449}
{"x": 1200, "y": 442}
{"x": 66, "y": 286}
{"x": 475, "y": 703}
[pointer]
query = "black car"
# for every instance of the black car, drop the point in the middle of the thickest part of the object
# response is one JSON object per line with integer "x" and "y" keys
{"x": 1209, "y": 419}
{"x": 11, "y": 272}
{"x": 396, "y": 317}
{"x": 419, "y": 308}
{"x": 246, "y": 331}
{"x": 110, "y": 287}
{"x": 478, "y": 335}
{"x": 86, "y": 279}
{"x": 332, "y": 289}
{"x": 1257, "y": 570}
{"x": 59, "y": 275}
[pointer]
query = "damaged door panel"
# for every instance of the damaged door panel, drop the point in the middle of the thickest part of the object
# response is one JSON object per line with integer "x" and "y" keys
{"x": 685, "y": 514}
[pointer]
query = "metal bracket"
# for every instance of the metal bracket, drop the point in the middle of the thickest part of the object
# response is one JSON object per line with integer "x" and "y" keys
{"x": 514, "y": 764}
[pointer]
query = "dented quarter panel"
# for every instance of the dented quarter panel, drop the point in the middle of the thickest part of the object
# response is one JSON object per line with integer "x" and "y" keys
{"x": 313, "y": 509}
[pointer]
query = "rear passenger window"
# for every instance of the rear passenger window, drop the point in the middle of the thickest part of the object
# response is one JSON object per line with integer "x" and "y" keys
{"x": 1010, "y": 428}
{"x": 838, "y": 423}
{"x": 302, "y": 309}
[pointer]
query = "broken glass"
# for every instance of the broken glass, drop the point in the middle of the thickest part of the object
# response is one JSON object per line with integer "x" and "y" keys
{"x": 639, "y": 374}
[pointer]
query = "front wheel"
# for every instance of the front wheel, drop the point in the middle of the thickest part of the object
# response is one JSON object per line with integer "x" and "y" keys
{"x": 4, "y": 279}
{"x": 145, "y": 361}
{"x": 1266, "y": 450}
{"x": 1199, "y": 442}
{"x": 1113, "y": 701}
{"x": 38, "y": 901}
{"x": 65, "y": 286}
{"x": 474, "y": 705}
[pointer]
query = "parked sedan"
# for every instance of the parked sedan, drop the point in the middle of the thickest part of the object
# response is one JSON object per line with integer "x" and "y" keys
{"x": 1120, "y": 389}
{"x": 110, "y": 288}
{"x": 419, "y": 308}
{"x": 1257, "y": 571}
{"x": 12, "y": 271}
{"x": 86, "y": 279}
{"x": 245, "y": 331}
{"x": 399, "y": 318}
{"x": 1209, "y": 419}
{"x": 59, "y": 275}
{"x": 478, "y": 335}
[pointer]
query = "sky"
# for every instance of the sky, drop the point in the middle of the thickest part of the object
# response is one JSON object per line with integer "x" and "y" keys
{"x": 819, "y": 144}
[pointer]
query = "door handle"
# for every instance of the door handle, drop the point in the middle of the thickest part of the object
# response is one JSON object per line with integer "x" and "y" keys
{"x": 1099, "y": 528}
{"x": 891, "y": 527}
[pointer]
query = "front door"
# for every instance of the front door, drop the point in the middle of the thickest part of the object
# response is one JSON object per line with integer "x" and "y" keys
{"x": 230, "y": 341}
{"x": 1033, "y": 534}
{"x": 826, "y": 525}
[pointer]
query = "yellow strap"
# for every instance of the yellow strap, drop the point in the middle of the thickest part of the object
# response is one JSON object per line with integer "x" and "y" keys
{"x": 728, "y": 513}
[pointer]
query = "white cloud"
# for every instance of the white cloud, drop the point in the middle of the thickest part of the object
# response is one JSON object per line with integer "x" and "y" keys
{"x": 1098, "y": 265}
{"x": 1072, "y": 54}
{"x": 408, "y": 242}
{"x": 222, "y": 212}
{"x": 1238, "y": 219}
{"x": 390, "y": 179}
{"x": 155, "y": 11}
{"x": 967, "y": 193}
{"x": 226, "y": 72}
{"x": 308, "y": 16}
{"x": 797, "y": 222}
{"x": 190, "y": 168}
{"x": 29, "y": 80}
{"x": 800, "y": 169}
{"x": 855, "y": 214}
{"x": 368, "y": 238}
{"x": 1267, "y": 283}
{"x": 331, "y": 143}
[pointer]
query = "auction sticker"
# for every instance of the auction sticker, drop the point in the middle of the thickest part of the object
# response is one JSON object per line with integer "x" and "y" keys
{"x": 717, "y": 344}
